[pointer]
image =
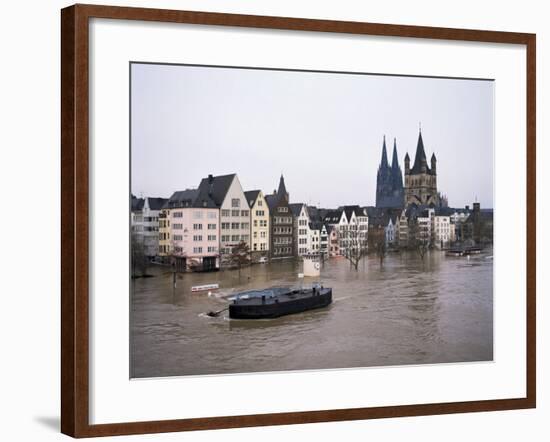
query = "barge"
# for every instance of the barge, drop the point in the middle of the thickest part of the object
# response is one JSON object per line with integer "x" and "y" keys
{"x": 272, "y": 303}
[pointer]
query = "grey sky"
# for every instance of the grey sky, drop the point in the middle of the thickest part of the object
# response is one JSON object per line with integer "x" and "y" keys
{"x": 322, "y": 130}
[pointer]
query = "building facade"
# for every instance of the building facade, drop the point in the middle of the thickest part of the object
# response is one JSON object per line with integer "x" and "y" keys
{"x": 145, "y": 223}
{"x": 282, "y": 224}
{"x": 226, "y": 192}
{"x": 421, "y": 180}
{"x": 443, "y": 231}
{"x": 301, "y": 228}
{"x": 194, "y": 230}
{"x": 259, "y": 223}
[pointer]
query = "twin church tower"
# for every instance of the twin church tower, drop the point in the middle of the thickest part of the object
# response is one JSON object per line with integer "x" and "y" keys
{"x": 420, "y": 186}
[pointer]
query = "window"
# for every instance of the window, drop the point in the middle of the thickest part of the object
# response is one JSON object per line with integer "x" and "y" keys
{"x": 212, "y": 215}
{"x": 245, "y": 225}
{"x": 211, "y": 237}
{"x": 226, "y": 238}
{"x": 211, "y": 226}
{"x": 197, "y": 214}
{"x": 225, "y": 226}
{"x": 197, "y": 237}
{"x": 245, "y": 213}
{"x": 197, "y": 226}
{"x": 235, "y": 213}
{"x": 197, "y": 249}
{"x": 235, "y": 238}
{"x": 263, "y": 234}
{"x": 178, "y": 226}
{"x": 260, "y": 212}
{"x": 178, "y": 214}
{"x": 282, "y": 209}
{"x": 260, "y": 203}
{"x": 178, "y": 237}
{"x": 235, "y": 226}
{"x": 226, "y": 212}
{"x": 245, "y": 238}
{"x": 235, "y": 202}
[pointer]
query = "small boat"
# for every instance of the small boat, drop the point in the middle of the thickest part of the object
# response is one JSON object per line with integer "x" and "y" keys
{"x": 205, "y": 287}
{"x": 279, "y": 301}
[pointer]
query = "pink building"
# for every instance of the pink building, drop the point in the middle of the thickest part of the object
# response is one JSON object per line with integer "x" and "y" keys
{"x": 195, "y": 231}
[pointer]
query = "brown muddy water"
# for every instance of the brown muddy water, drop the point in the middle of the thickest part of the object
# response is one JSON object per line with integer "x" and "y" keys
{"x": 404, "y": 311}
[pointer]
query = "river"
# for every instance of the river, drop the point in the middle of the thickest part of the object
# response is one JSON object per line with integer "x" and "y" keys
{"x": 403, "y": 311}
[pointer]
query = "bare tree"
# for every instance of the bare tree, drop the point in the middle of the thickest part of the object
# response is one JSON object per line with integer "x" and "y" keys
{"x": 240, "y": 256}
{"x": 353, "y": 243}
{"x": 377, "y": 241}
{"x": 418, "y": 240}
{"x": 139, "y": 259}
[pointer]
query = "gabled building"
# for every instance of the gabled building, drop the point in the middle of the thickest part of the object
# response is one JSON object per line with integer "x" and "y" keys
{"x": 145, "y": 223}
{"x": 282, "y": 225}
{"x": 354, "y": 231}
{"x": 301, "y": 228}
{"x": 226, "y": 193}
{"x": 324, "y": 243}
{"x": 193, "y": 231}
{"x": 259, "y": 223}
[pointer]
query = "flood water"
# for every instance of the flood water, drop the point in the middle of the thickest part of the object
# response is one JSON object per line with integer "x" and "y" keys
{"x": 403, "y": 311}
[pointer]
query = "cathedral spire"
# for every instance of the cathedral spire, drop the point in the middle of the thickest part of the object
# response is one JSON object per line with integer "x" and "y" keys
{"x": 384, "y": 162}
{"x": 420, "y": 160}
{"x": 394, "y": 160}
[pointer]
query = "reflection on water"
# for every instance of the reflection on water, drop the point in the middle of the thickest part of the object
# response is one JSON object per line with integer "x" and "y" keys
{"x": 404, "y": 311}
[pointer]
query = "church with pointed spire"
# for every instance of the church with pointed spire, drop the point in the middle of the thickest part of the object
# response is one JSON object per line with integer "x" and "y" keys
{"x": 421, "y": 179}
{"x": 390, "y": 192}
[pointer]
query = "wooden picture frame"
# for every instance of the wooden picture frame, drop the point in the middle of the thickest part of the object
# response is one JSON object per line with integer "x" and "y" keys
{"x": 75, "y": 379}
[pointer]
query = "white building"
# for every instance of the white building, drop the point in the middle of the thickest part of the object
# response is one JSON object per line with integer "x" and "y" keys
{"x": 324, "y": 242}
{"x": 301, "y": 222}
{"x": 424, "y": 231}
{"x": 442, "y": 231}
{"x": 351, "y": 224}
{"x": 391, "y": 231}
{"x": 145, "y": 223}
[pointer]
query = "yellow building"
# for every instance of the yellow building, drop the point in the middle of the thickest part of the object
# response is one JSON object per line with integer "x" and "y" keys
{"x": 259, "y": 224}
{"x": 165, "y": 242}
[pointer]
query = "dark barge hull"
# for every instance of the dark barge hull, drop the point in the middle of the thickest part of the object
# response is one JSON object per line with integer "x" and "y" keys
{"x": 294, "y": 302}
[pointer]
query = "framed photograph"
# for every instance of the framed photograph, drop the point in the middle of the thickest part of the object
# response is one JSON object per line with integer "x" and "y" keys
{"x": 272, "y": 220}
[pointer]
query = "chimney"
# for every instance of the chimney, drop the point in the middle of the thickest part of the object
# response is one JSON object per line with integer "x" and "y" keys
{"x": 476, "y": 207}
{"x": 467, "y": 208}
{"x": 210, "y": 178}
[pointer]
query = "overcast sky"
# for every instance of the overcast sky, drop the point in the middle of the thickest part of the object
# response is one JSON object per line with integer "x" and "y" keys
{"x": 323, "y": 131}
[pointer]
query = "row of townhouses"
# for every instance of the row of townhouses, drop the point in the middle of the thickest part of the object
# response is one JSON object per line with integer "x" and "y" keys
{"x": 200, "y": 227}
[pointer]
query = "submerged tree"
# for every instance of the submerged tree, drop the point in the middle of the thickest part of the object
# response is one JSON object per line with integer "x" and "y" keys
{"x": 419, "y": 240}
{"x": 240, "y": 256}
{"x": 377, "y": 241}
{"x": 140, "y": 262}
{"x": 353, "y": 243}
